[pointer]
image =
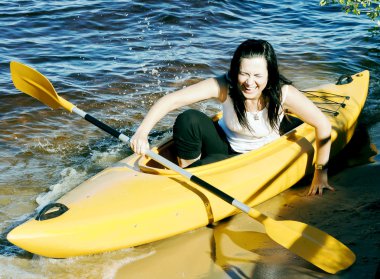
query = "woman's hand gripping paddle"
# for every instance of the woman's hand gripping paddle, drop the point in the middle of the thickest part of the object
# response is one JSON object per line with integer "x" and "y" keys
{"x": 309, "y": 243}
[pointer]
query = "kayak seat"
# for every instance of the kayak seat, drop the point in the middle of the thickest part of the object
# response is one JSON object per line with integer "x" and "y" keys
{"x": 167, "y": 150}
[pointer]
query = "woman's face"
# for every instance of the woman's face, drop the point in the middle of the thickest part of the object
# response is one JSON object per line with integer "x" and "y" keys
{"x": 253, "y": 77}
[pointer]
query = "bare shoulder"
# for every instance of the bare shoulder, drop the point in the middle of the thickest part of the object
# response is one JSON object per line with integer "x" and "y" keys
{"x": 289, "y": 88}
{"x": 292, "y": 93}
{"x": 296, "y": 102}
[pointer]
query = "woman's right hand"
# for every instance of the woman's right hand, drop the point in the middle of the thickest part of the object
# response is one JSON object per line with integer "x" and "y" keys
{"x": 139, "y": 143}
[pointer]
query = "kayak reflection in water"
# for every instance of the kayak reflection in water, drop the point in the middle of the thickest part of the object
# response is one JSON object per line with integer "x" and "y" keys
{"x": 254, "y": 97}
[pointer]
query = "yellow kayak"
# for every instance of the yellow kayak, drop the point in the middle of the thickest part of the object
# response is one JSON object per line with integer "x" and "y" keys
{"x": 137, "y": 201}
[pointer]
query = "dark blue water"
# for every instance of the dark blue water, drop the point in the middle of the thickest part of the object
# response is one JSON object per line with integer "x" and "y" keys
{"x": 115, "y": 58}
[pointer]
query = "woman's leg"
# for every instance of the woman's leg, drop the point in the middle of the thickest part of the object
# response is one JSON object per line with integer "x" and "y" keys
{"x": 198, "y": 139}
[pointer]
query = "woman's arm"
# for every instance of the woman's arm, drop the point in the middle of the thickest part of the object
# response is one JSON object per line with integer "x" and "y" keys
{"x": 206, "y": 89}
{"x": 301, "y": 106}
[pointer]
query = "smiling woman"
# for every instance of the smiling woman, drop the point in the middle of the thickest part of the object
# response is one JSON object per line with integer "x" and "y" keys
{"x": 254, "y": 97}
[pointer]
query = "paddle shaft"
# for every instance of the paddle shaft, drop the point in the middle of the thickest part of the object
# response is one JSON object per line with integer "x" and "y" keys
{"x": 227, "y": 198}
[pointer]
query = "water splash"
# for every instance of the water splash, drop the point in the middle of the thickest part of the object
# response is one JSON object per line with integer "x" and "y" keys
{"x": 69, "y": 179}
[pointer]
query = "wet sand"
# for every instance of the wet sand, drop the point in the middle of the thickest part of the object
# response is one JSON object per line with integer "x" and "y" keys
{"x": 239, "y": 248}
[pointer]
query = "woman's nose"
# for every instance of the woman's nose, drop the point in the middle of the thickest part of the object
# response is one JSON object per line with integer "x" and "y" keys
{"x": 250, "y": 81}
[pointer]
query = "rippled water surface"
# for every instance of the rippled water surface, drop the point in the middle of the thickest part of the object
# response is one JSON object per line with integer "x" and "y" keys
{"x": 113, "y": 59}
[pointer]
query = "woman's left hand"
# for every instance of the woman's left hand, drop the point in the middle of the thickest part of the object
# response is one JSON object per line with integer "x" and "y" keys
{"x": 319, "y": 183}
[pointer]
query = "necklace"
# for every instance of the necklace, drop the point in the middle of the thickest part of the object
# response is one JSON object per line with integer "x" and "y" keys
{"x": 256, "y": 112}
{"x": 256, "y": 116}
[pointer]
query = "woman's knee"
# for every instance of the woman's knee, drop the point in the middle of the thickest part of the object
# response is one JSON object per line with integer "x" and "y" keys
{"x": 190, "y": 117}
{"x": 187, "y": 134}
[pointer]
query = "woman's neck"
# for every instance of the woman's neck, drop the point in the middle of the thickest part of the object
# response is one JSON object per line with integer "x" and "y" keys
{"x": 254, "y": 105}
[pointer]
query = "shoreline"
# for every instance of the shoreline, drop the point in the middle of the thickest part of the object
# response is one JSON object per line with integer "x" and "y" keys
{"x": 239, "y": 248}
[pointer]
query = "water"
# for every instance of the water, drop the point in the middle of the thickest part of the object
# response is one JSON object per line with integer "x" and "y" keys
{"x": 114, "y": 59}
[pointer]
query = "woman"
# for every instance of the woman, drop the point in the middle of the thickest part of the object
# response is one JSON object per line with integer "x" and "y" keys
{"x": 254, "y": 97}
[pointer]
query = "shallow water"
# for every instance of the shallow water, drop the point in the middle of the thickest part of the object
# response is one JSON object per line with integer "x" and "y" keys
{"x": 113, "y": 59}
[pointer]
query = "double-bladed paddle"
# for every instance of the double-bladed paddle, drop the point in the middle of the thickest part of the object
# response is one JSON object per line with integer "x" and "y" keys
{"x": 312, "y": 244}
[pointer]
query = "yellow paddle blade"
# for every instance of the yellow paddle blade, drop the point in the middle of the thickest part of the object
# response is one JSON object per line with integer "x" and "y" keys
{"x": 31, "y": 82}
{"x": 311, "y": 244}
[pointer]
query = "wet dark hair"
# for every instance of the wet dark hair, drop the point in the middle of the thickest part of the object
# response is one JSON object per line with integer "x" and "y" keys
{"x": 272, "y": 92}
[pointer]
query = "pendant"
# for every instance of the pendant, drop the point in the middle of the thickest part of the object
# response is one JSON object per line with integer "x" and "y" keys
{"x": 255, "y": 116}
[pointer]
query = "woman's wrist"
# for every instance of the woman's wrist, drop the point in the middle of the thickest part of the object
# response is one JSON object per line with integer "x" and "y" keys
{"x": 142, "y": 131}
{"x": 321, "y": 166}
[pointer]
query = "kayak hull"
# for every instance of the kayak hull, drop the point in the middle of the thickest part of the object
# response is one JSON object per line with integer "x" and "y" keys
{"x": 136, "y": 201}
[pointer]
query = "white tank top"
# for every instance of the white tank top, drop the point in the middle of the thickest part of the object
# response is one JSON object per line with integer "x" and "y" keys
{"x": 243, "y": 140}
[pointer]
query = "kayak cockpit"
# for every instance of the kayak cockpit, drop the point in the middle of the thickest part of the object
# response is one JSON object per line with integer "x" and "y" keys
{"x": 167, "y": 149}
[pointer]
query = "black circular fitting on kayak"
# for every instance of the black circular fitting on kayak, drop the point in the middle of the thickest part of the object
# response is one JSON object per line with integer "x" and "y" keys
{"x": 45, "y": 215}
{"x": 344, "y": 79}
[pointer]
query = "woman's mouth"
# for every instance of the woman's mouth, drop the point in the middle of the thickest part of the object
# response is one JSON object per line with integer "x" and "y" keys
{"x": 249, "y": 89}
